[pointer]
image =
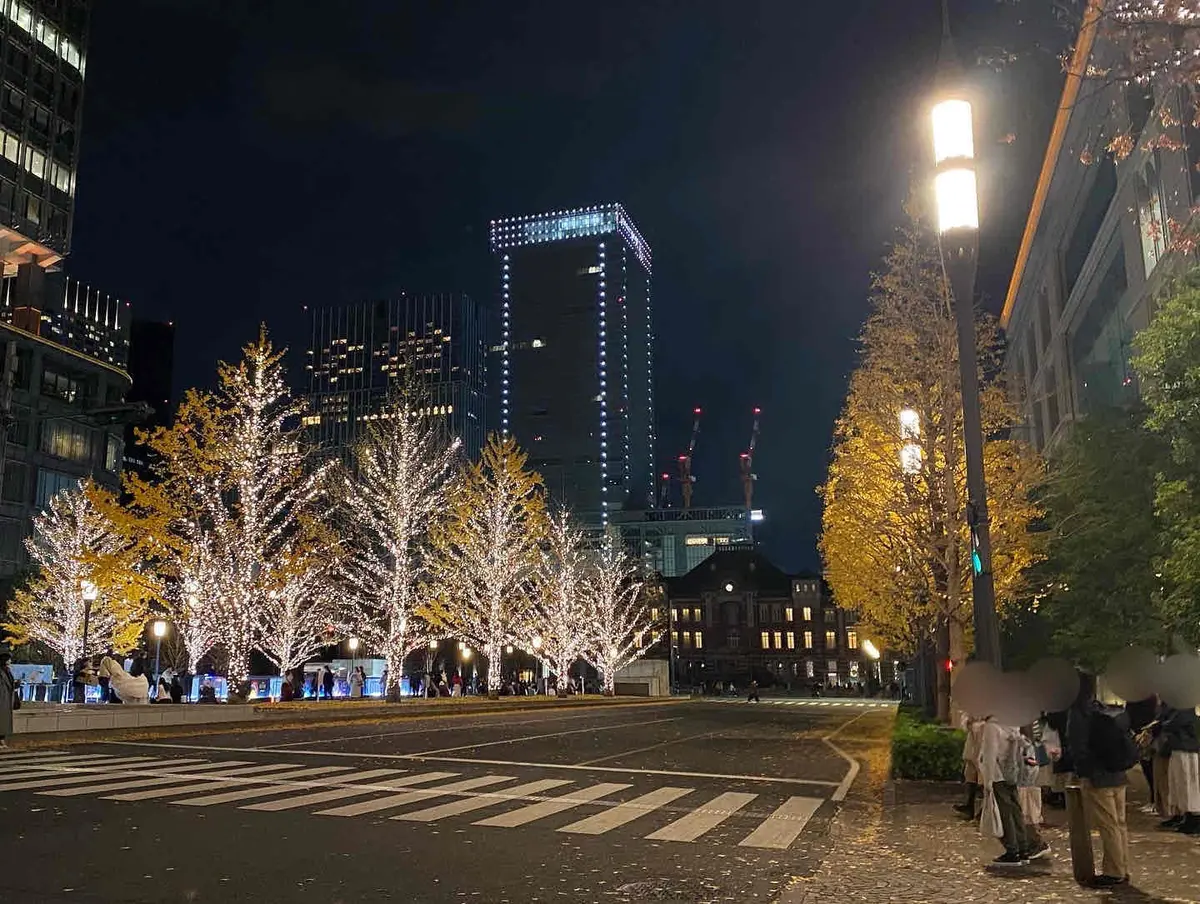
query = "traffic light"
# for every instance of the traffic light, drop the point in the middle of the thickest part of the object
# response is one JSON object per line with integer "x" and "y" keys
{"x": 976, "y": 561}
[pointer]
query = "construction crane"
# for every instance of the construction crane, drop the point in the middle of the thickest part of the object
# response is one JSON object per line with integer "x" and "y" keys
{"x": 686, "y": 480}
{"x": 747, "y": 462}
{"x": 664, "y": 492}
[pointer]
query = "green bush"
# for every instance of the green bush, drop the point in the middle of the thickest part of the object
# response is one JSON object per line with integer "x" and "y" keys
{"x": 923, "y": 750}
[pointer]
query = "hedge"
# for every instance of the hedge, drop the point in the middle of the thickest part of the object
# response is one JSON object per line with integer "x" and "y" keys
{"x": 924, "y": 750}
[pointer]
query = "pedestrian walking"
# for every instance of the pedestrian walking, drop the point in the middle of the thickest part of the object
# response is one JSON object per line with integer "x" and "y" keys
{"x": 1102, "y": 750}
{"x": 327, "y": 681}
{"x": 1182, "y": 746}
{"x": 1006, "y": 763}
{"x": 106, "y": 694}
{"x": 974, "y": 729}
{"x": 753, "y": 695}
{"x": 356, "y": 683}
{"x": 8, "y": 696}
{"x": 456, "y": 686}
{"x": 286, "y": 692}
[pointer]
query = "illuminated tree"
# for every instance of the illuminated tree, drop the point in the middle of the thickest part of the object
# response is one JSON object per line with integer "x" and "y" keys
{"x": 894, "y": 536}
{"x": 562, "y": 616}
{"x": 621, "y": 628}
{"x": 81, "y": 545}
{"x": 403, "y": 468}
{"x": 292, "y": 619}
{"x": 486, "y": 553}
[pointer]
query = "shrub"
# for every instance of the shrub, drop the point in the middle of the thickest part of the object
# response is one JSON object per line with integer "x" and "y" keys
{"x": 923, "y": 750}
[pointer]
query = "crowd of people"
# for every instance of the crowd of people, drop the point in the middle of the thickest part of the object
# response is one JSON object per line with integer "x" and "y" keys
{"x": 1011, "y": 771}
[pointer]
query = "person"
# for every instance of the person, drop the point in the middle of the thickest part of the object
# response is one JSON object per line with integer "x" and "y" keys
{"x": 356, "y": 683}
{"x": 176, "y": 689}
{"x": 8, "y": 696}
{"x": 456, "y": 686}
{"x": 1096, "y": 739}
{"x": 327, "y": 682}
{"x": 1005, "y": 759}
{"x": 106, "y": 694}
{"x": 753, "y": 695}
{"x": 163, "y": 693}
{"x": 970, "y": 756}
{"x": 1142, "y": 714}
{"x": 1181, "y": 744}
{"x": 286, "y": 693}
{"x": 137, "y": 666}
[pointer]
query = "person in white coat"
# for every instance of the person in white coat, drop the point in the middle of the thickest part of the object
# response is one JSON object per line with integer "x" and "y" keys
{"x": 356, "y": 683}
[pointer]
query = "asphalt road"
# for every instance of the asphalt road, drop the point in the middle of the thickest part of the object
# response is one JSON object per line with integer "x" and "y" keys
{"x": 675, "y": 802}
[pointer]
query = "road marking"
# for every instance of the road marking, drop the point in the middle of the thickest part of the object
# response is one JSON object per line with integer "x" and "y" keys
{"x": 341, "y": 793}
{"x": 783, "y": 826}
{"x": 397, "y": 800}
{"x": 76, "y": 765}
{"x": 617, "y": 756}
{"x": 626, "y": 812}
{"x": 211, "y": 781}
{"x": 769, "y": 779}
{"x": 82, "y": 777}
{"x": 262, "y": 787}
{"x": 478, "y": 802}
{"x": 702, "y": 819}
{"x": 521, "y": 740}
{"x": 178, "y": 774}
{"x": 21, "y": 759}
{"x": 843, "y": 787}
{"x": 552, "y": 806}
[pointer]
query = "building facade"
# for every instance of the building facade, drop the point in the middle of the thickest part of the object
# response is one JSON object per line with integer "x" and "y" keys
{"x": 736, "y": 617}
{"x": 70, "y": 313}
{"x": 360, "y": 351}
{"x": 575, "y": 369}
{"x": 672, "y": 542}
{"x": 1098, "y": 244}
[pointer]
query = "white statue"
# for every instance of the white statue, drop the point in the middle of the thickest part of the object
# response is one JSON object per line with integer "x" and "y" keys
{"x": 128, "y": 688}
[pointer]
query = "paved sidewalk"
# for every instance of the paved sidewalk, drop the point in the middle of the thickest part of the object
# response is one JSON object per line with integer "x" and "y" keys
{"x": 917, "y": 849}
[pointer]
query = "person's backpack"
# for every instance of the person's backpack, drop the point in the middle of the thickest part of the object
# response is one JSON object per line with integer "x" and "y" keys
{"x": 1112, "y": 740}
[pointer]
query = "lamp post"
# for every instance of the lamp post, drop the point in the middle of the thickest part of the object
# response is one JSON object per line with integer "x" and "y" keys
{"x": 958, "y": 231}
{"x": 537, "y": 646}
{"x": 159, "y": 628}
{"x": 89, "y": 592}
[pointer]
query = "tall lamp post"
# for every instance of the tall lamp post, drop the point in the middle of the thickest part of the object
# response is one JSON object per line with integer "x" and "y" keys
{"x": 89, "y": 592}
{"x": 537, "y": 646}
{"x": 958, "y": 229}
{"x": 159, "y": 628}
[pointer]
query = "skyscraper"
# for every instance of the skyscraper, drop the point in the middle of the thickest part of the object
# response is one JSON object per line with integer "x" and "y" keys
{"x": 358, "y": 351}
{"x": 576, "y": 365}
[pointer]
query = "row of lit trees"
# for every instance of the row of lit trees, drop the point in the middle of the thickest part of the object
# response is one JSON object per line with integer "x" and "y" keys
{"x": 248, "y": 541}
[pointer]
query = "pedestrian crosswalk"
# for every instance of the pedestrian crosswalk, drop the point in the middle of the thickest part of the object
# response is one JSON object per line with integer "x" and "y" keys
{"x": 570, "y": 805}
{"x": 810, "y": 702}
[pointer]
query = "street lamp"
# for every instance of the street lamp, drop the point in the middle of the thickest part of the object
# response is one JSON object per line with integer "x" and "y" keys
{"x": 958, "y": 231}
{"x": 910, "y": 431}
{"x": 352, "y": 643}
{"x": 89, "y": 592}
{"x": 159, "y": 628}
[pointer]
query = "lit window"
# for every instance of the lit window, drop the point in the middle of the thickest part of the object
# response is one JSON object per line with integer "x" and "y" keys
{"x": 807, "y": 613}
{"x": 675, "y": 637}
{"x": 833, "y": 667}
{"x": 779, "y": 640}
{"x": 695, "y": 615}
{"x": 809, "y": 669}
{"x": 681, "y": 614}
{"x": 808, "y": 640}
{"x": 699, "y": 640}
{"x": 830, "y": 639}
{"x": 788, "y": 613}
{"x": 766, "y": 640}
{"x": 791, "y": 640}
{"x": 852, "y": 639}
{"x": 687, "y": 638}
{"x": 654, "y": 614}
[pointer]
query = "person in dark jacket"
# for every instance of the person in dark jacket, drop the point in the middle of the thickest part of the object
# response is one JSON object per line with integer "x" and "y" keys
{"x": 1179, "y": 742}
{"x": 1142, "y": 714}
{"x": 8, "y": 696}
{"x": 327, "y": 683}
{"x": 1103, "y": 790}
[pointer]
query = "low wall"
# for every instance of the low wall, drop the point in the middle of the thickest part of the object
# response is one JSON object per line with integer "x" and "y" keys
{"x": 644, "y": 678}
{"x": 33, "y": 719}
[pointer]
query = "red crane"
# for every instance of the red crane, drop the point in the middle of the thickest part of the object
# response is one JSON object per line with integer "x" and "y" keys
{"x": 686, "y": 480}
{"x": 747, "y": 463}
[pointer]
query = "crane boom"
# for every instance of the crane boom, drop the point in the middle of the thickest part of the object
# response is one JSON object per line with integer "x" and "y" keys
{"x": 686, "y": 480}
{"x": 747, "y": 464}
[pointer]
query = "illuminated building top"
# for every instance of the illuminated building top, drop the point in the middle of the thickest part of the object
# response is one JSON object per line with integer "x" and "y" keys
{"x": 564, "y": 225}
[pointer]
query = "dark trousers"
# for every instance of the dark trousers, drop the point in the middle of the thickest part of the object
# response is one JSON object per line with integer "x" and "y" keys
{"x": 1017, "y": 836}
{"x": 753, "y": 696}
{"x": 1148, "y": 771}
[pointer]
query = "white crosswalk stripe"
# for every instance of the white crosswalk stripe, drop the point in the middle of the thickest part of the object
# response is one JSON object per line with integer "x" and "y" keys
{"x": 704, "y": 818}
{"x": 180, "y": 773}
{"x": 783, "y": 826}
{"x": 626, "y": 812}
{"x": 74, "y": 764}
{"x": 263, "y": 787}
{"x": 12, "y": 757}
{"x": 399, "y": 800}
{"x": 479, "y": 801}
{"x": 24, "y": 760}
{"x": 554, "y": 805}
{"x": 210, "y": 782}
{"x": 62, "y": 778}
{"x": 341, "y": 793}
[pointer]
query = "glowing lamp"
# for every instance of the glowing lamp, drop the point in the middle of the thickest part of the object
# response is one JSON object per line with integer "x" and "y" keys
{"x": 88, "y": 591}
{"x": 957, "y": 205}
{"x": 159, "y": 628}
{"x": 537, "y": 643}
{"x": 352, "y": 643}
{"x": 870, "y": 649}
{"x": 910, "y": 424}
{"x": 953, "y": 135}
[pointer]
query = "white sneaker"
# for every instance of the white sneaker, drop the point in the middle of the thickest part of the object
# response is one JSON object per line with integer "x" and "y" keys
{"x": 1148, "y": 809}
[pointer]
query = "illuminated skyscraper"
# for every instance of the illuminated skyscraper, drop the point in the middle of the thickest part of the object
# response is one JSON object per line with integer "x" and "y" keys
{"x": 358, "y": 351}
{"x": 575, "y": 381}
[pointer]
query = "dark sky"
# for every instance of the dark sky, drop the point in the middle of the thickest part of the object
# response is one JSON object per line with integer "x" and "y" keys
{"x": 240, "y": 160}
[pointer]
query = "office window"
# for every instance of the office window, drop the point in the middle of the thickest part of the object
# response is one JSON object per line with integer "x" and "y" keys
{"x": 734, "y": 639}
{"x": 699, "y": 640}
{"x": 808, "y": 640}
{"x": 830, "y": 639}
{"x": 687, "y": 638}
{"x": 16, "y": 477}
{"x": 66, "y": 439}
{"x": 51, "y": 483}
{"x": 766, "y": 640}
{"x": 654, "y": 614}
{"x": 764, "y": 613}
{"x": 791, "y": 640}
{"x": 852, "y": 640}
{"x": 778, "y": 640}
{"x": 807, "y": 613}
{"x": 680, "y": 614}
{"x": 776, "y": 612}
{"x": 675, "y": 638}
{"x": 788, "y": 613}
{"x": 59, "y": 385}
{"x": 809, "y": 669}
{"x": 833, "y": 668}
{"x": 830, "y": 616}
{"x": 695, "y": 615}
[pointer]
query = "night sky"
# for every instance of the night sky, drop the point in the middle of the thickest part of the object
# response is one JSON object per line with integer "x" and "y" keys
{"x": 241, "y": 160}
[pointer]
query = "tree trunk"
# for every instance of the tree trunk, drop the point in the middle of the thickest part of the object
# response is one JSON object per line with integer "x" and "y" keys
{"x": 958, "y": 654}
{"x": 943, "y": 674}
{"x": 395, "y": 673}
{"x": 493, "y": 672}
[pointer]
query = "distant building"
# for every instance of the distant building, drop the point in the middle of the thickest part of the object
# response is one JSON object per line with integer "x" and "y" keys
{"x": 575, "y": 372}
{"x": 358, "y": 351}
{"x": 152, "y": 371}
{"x": 1098, "y": 244}
{"x": 736, "y": 617}
{"x": 68, "y": 312}
{"x": 672, "y": 542}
